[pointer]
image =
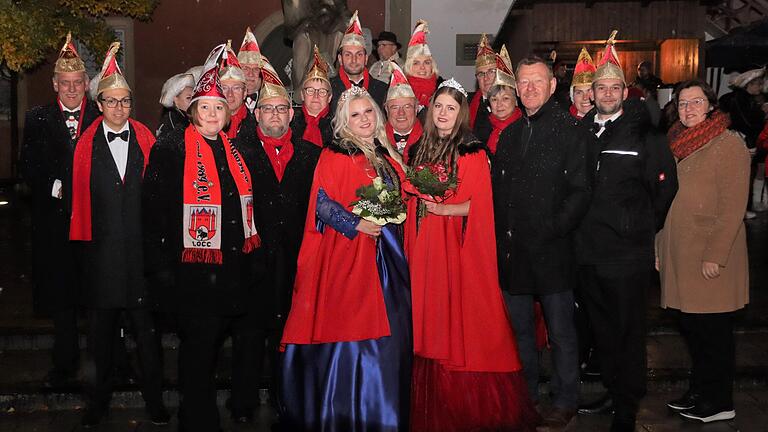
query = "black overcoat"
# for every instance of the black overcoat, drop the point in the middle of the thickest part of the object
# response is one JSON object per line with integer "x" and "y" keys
{"x": 482, "y": 127}
{"x": 46, "y": 155}
{"x": 541, "y": 192}
{"x": 193, "y": 288}
{"x": 280, "y": 209}
{"x": 172, "y": 119}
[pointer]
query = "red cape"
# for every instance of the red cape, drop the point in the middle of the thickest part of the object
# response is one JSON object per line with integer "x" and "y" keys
{"x": 80, "y": 224}
{"x": 459, "y": 317}
{"x": 337, "y": 293}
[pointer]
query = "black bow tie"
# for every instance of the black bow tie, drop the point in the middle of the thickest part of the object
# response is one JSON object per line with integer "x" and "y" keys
{"x": 72, "y": 115}
{"x": 122, "y": 135}
{"x": 399, "y": 137}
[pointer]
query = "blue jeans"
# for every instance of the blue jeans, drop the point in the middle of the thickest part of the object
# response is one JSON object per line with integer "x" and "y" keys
{"x": 558, "y": 314}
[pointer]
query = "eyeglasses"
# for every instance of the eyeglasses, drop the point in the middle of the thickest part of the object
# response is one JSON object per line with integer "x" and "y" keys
{"x": 309, "y": 91}
{"x": 490, "y": 73}
{"x": 233, "y": 89}
{"x": 693, "y": 103}
{"x": 396, "y": 108}
{"x": 112, "y": 102}
{"x": 269, "y": 109}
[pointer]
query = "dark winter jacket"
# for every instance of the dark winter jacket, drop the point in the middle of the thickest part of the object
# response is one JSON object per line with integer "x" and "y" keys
{"x": 172, "y": 119}
{"x": 376, "y": 88}
{"x": 299, "y": 125}
{"x": 746, "y": 115}
{"x": 635, "y": 180}
{"x": 541, "y": 192}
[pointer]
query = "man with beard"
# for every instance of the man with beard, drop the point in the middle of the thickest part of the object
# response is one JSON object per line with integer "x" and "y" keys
{"x": 50, "y": 134}
{"x": 281, "y": 166}
{"x": 352, "y": 59}
{"x": 479, "y": 107}
{"x": 250, "y": 59}
{"x": 543, "y": 173}
{"x": 635, "y": 180}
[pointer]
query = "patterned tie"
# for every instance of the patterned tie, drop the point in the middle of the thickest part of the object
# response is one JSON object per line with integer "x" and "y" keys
{"x": 73, "y": 117}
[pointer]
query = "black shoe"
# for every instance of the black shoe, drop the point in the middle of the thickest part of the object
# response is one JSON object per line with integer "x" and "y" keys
{"x": 623, "y": 425}
{"x": 241, "y": 418}
{"x": 684, "y": 402}
{"x": 93, "y": 417}
{"x": 59, "y": 378}
{"x": 603, "y": 405}
{"x": 159, "y": 416}
{"x": 707, "y": 413}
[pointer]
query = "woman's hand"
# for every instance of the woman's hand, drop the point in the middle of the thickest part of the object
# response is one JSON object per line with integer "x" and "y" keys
{"x": 710, "y": 270}
{"x": 367, "y": 227}
{"x": 448, "y": 209}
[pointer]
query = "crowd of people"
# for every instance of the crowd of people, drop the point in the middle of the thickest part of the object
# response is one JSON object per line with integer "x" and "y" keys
{"x": 237, "y": 218}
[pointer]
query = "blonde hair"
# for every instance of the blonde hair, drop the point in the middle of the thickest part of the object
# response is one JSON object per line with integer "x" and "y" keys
{"x": 409, "y": 64}
{"x": 349, "y": 141}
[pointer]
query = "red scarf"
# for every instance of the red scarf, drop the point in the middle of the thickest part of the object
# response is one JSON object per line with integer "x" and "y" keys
{"x": 500, "y": 125}
{"x": 312, "y": 132}
{"x": 279, "y": 159}
{"x": 66, "y": 114}
{"x": 201, "y": 229}
{"x": 423, "y": 88}
{"x": 80, "y": 223}
{"x": 684, "y": 140}
{"x": 234, "y": 122}
{"x": 348, "y": 83}
{"x": 413, "y": 137}
{"x": 574, "y": 112}
{"x": 473, "y": 107}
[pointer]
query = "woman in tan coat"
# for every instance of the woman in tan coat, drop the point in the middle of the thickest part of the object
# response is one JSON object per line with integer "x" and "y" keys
{"x": 702, "y": 250}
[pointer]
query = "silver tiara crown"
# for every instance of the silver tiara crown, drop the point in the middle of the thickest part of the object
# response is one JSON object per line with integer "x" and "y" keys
{"x": 452, "y": 83}
{"x": 352, "y": 91}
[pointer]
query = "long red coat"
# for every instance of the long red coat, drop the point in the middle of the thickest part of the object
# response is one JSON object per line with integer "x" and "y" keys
{"x": 337, "y": 293}
{"x": 459, "y": 317}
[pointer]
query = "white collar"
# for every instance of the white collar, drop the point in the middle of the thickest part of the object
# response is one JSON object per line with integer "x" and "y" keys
{"x": 64, "y": 108}
{"x": 609, "y": 119}
{"x": 109, "y": 129}
{"x": 402, "y": 134}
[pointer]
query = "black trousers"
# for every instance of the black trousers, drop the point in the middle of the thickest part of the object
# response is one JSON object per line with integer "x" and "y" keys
{"x": 201, "y": 337}
{"x": 102, "y": 334}
{"x": 615, "y": 297}
{"x": 710, "y": 341}
{"x": 252, "y": 344}
{"x": 66, "y": 344}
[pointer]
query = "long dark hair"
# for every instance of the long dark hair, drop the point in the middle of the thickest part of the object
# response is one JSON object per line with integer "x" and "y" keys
{"x": 433, "y": 149}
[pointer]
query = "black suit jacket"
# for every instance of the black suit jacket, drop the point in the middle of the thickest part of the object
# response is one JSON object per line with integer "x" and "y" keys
{"x": 113, "y": 263}
{"x": 376, "y": 88}
{"x": 46, "y": 155}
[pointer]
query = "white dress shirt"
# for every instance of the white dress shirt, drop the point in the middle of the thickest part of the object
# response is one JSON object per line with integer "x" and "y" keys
{"x": 118, "y": 148}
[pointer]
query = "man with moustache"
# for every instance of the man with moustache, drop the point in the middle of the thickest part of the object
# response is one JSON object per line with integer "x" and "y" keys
{"x": 634, "y": 182}
{"x": 50, "y": 134}
{"x": 386, "y": 49}
{"x": 352, "y": 59}
{"x": 282, "y": 166}
{"x": 544, "y": 176}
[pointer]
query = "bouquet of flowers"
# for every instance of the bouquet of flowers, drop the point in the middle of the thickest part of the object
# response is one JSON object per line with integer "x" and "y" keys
{"x": 379, "y": 203}
{"x": 431, "y": 182}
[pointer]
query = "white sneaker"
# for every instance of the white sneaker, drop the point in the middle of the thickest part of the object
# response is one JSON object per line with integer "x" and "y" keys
{"x": 708, "y": 416}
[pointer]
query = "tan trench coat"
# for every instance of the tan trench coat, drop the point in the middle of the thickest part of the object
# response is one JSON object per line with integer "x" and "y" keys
{"x": 705, "y": 223}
